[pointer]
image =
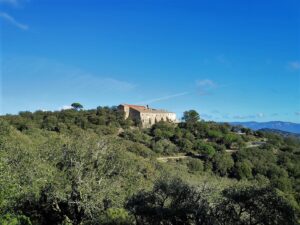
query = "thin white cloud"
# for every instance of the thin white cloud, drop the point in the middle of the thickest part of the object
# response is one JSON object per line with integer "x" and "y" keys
{"x": 207, "y": 83}
{"x": 254, "y": 116}
{"x": 243, "y": 117}
{"x": 164, "y": 98}
{"x": 260, "y": 115}
{"x": 65, "y": 107}
{"x": 205, "y": 86}
{"x": 295, "y": 65}
{"x": 13, "y": 21}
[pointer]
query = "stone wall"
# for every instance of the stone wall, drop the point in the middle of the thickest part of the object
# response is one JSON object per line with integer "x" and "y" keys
{"x": 134, "y": 114}
{"x": 148, "y": 119}
{"x": 125, "y": 109}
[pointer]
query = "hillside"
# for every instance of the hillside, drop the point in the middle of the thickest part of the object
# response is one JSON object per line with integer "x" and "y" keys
{"x": 94, "y": 167}
{"x": 276, "y": 125}
{"x": 283, "y": 133}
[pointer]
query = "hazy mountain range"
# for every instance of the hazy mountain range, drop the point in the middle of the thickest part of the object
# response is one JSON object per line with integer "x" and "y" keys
{"x": 275, "y": 125}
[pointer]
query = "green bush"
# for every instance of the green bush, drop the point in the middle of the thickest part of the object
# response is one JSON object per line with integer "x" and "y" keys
{"x": 11, "y": 219}
{"x": 139, "y": 149}
{"x": 195, "y": 165}
{"x": 136, "y": 136}
{"x": 244, "y": 169}
{"x": 204, "y": 149}
{"x": 163, "y": 130}
{"x": 116, "y": 216}
{"x": 164, "y": 147}
{"x": 222, "y": 163}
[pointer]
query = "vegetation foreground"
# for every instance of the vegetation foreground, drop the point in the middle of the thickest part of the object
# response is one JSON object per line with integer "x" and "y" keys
{"x": 93, "y": 167}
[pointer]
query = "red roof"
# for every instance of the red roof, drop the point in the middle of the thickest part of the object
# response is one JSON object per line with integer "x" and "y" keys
{"x": 144, "y": 109}
{"x": 136, "y": 107}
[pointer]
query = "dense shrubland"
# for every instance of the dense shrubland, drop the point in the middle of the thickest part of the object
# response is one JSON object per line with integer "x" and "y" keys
{"x": 93, "y": 167}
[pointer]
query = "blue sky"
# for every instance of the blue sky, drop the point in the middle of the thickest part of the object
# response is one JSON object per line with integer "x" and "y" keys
{"x": 230, "y": 60}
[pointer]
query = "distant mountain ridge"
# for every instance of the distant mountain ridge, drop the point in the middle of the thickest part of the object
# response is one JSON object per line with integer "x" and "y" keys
{"x": 283, "y": 133}
{"x": 275, "y": 125}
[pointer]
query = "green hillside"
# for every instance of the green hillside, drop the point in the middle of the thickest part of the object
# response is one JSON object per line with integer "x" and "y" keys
{"x": 93, "y": 167}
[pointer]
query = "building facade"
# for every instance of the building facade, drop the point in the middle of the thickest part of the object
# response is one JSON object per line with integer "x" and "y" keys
{"x": 146, "y": 115}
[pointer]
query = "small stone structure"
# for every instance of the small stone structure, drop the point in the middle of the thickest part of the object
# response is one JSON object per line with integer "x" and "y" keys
{"x": 146, "y": 115}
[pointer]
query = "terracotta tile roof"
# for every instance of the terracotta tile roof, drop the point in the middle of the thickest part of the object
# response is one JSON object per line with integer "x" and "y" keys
{"x": 144, "y": 109}
{"x": 137, "y": 107}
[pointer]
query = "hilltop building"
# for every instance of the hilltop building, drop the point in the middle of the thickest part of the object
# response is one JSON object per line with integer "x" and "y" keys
{"x": 146, "y": 115}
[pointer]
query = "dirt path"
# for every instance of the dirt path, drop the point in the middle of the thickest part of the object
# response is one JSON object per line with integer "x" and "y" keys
{"x": 166, "y": 158}
{"x": 230, "y": 151}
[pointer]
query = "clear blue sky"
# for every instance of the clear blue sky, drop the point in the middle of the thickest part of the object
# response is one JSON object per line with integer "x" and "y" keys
{"x": 230, "y": 60}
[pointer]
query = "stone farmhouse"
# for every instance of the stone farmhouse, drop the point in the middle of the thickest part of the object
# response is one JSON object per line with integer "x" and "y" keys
{"x": 146, "y": 115}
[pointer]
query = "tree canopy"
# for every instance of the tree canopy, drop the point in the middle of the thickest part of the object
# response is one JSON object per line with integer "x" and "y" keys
{"x": 76, "y": 105}
{"x": 191, "y": 116}
{"x": 96, "y": 167}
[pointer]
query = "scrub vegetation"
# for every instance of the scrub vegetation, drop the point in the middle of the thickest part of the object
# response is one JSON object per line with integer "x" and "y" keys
{"x": 80, "y": 166}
